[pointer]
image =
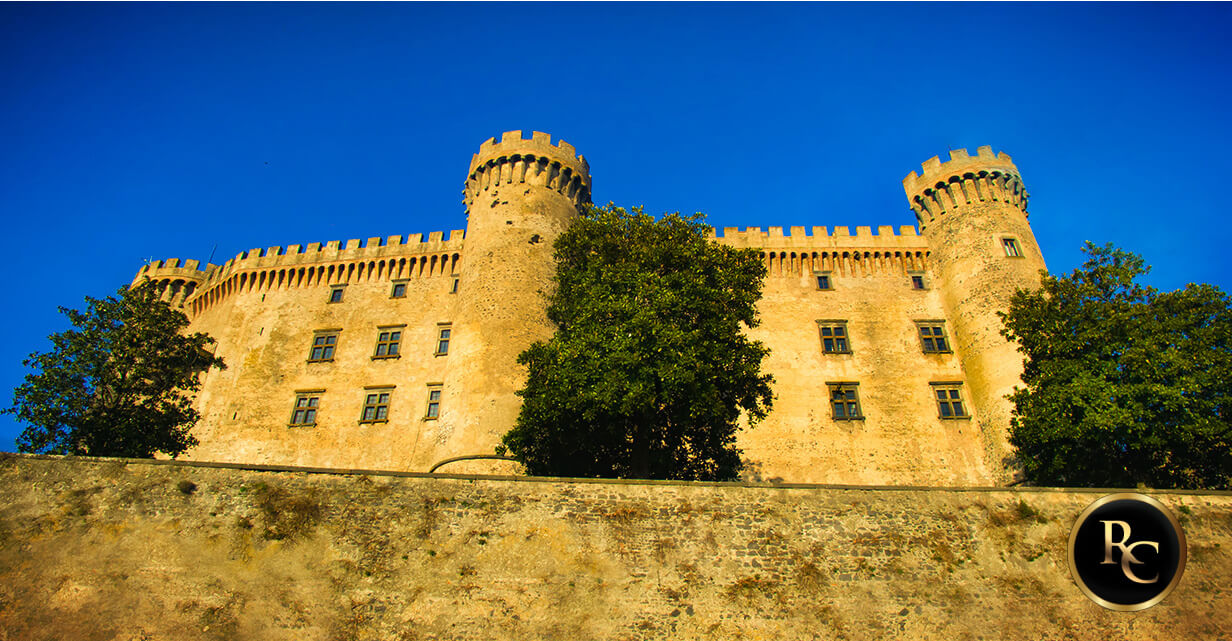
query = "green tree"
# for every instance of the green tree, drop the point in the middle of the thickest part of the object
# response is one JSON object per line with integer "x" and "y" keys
{"x": 649, "y": 371}
{"x": 1125, "y": 386}
{"x": 120, "y": 383}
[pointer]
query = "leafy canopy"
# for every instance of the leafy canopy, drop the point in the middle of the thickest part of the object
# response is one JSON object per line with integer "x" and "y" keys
{"x": 649, "y": 371}
{"x": 119, "y": 384}
{"x": 1125, "y": 386}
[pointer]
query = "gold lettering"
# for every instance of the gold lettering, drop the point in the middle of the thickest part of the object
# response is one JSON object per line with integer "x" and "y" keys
{"x": 1127, "y": 551}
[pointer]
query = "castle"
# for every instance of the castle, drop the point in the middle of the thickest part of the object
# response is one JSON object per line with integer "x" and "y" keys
{"x": 397, "y": 353}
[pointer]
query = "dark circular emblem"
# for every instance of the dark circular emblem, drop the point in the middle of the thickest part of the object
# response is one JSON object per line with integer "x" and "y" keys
{"x": 1127, "y": 552}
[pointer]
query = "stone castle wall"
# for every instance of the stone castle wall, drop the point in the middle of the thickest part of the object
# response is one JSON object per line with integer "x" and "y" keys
{"x": 266, "y": 306}
{"x": 901, "y": 440}
{"x": 108, "y": 549}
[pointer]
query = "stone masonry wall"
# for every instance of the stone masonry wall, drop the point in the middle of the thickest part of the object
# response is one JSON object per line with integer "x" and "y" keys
{"x": 112, "y": 549}
{"x": 901, "y": 439}
{"x": 265, "y": 336}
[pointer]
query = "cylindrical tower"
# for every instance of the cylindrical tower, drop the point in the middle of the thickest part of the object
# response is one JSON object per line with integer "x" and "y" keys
{"x": 520, "y": 195}
{"x": 973, "y": 212}
{"x": 175, "y": 280}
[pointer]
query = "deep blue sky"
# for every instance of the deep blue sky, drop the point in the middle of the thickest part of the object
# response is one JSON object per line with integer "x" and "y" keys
{"x": 135, "y": 131}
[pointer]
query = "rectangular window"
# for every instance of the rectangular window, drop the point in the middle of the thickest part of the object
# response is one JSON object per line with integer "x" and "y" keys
{"x": 949, "y": 400}
{"x": 1011, "y": 248}
{"x": 834, "y": 338}
{"x": 917, "y": 281}
{"x": 454, "y": 288}
{"x": 932, "y": 337}
{"x": 845, "y": 401}
{"x": 434, "y": 402}
{"x": 823, "y": 281}
{"x": 399, "y": 291}
{"x": 376, "y": 407}
{"x": 442, "y": 340}
{"x": 323, "y": 344}
{"x": 305, "y": 411}
{"x": 335, "y": 295}
{"x": 388, "y": 340}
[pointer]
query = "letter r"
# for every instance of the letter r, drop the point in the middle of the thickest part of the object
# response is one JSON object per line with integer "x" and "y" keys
{"x": 1109, "y": 544}
{"x": 1127, "y": 551}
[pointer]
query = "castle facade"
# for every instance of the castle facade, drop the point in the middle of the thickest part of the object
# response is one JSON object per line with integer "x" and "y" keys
{"x": 396, "y": 353}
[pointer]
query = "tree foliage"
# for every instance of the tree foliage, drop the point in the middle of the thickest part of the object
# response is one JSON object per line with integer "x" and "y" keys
{"x": 120, "y": 383}
{"x": 1125, "y": 385}
{"x": 649, "y": 372}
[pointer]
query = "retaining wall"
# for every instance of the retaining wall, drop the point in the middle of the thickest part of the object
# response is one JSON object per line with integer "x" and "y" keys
{"x": 114, "y": 549}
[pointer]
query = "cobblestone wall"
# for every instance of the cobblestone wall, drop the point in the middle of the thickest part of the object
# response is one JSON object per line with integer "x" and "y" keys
{"x": 119, "y": 550}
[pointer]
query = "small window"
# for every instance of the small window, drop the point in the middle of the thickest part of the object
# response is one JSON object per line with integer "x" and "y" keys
{"x": 1011, "y": 247}
{"x": 845, "y": 401}
{"x": 949, "y": 400}
{"x": 442, "y": 340}
{"x": 917, "y": 281}
{"x": 388, "y": 342}
{"x": 399, "y": 291}
{"x": 376, "y": 407}
{"x": 305, "y": 412}
{"x": 335, "y": 295}
{"x": 323, "y": 344}
{"x": 434, "y": 402}
{"x": 932, "y": 337}
{"x": 454, "y": 288}
{"x": 834, "y": 339}
{"x": 823, "y": 281}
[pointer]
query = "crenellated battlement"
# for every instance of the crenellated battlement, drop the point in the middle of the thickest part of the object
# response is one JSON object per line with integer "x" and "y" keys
{"x": 800, "y": 253}
{"x": 354, "y": 249}
{"x": 184, "y": 282}
{"x": 174, "y": 279}
{"x": 173, "y": 268}
{"x": 960, "y": 163}
{"x": 821, "y": 237}
{"x": 535, "y": 161}
{"x": 964, "y": 180}
{"x": 295, "y": 255}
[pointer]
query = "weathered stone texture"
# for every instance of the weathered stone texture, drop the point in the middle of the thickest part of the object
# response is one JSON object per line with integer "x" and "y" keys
{"x": 97, "y": 549}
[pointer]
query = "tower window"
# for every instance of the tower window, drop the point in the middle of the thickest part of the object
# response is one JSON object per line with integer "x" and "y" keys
{"x": 335, "y": 295}
{"x": 823, "y": 281}
{"x": 917, "y": 281}
{"x": 454, "y": 288}
{"x": 305, "y": 412}
{"x": 376, "y": 407}
{"x": 323, "y": 344}
{"x": 399, "y": 291}
{"x": 834, "y": 338}
{"x": 388, "y": 341}
{"x": 442, "y": 339}
{"x": 845, "y": 401}
{"x": 949, "y": 400}
{"x": 932, "y": 337}
{"x": 434, "y": 402}
{"x": 1011, "y": 247}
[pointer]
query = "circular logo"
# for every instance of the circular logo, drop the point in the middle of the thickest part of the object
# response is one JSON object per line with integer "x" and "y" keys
{"x": 1127, "y": 552}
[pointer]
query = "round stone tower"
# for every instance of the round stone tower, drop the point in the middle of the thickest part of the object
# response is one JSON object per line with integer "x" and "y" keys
{"x": 973, "y": 212}
{"x": 175, "y": 280}
{"x": 520, "y": 195}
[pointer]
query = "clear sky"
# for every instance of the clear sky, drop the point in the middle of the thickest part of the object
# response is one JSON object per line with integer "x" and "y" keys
{"x": 138, "y": 131}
